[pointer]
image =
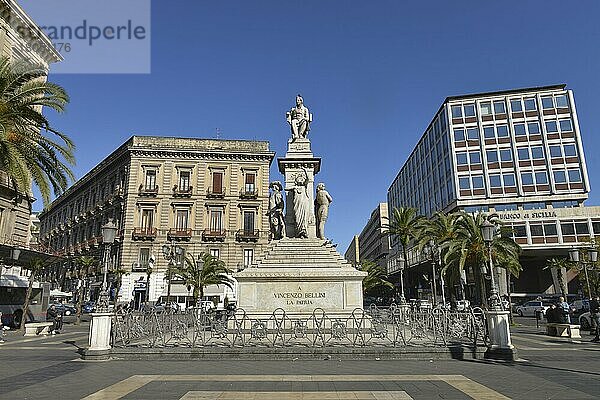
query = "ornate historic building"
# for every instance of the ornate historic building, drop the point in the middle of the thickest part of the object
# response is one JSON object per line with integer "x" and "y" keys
{"x": 203, "y": 195}
{"x": 34, "y": 48}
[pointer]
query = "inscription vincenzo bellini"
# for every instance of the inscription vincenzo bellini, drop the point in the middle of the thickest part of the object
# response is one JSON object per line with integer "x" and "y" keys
{"x": 299, "y": 297}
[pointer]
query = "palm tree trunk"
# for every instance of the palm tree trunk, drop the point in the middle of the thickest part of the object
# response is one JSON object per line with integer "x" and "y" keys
{"x": 27, "y": 300}
{"x": 79, "y": 302}
{"x": 117, "y": 290}
{"x": 195, "y": 296}
{"x": 404, "y": 268}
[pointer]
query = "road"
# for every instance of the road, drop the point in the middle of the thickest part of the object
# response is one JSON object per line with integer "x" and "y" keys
{"x": 548, "y": 368}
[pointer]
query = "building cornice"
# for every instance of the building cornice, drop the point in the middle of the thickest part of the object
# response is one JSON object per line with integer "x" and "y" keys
{"x": 202, "y": 155}
{"x": 39, "y": 43}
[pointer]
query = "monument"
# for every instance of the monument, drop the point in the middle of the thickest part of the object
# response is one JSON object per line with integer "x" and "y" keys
{"x": 301, "y": 270}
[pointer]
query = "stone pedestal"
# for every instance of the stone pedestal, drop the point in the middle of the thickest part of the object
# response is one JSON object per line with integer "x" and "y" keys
{"x": 500, "y": 346}
{"x": 299, "y": 158}
{"x": 99, "y": 337}
{"x": 298, "y": 276}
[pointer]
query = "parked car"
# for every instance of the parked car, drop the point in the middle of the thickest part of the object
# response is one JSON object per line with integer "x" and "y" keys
{"x": 65, "y": 309}
{"x": 580, "y": 306}
{"x": 89, "y": 307}
{"x": 172, "y": 306}
{"x": 530, "y": 308}
{"x": 585, "y": 321}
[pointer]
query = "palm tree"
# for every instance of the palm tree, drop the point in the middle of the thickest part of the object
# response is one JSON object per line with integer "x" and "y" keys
{"x": 86, "y": 265}
{"x": 468, "y": 249}
{"x": 26, "y": 154}
{"x": 435, "y": 231}
{"x": 208, "y": 270}
{"x": 35, "y": 267}
{"x": 118, "y": 273}
{"x": 376, "y": 277}
{"x": 405, "y": 226}
{"x": 560, "y": 265}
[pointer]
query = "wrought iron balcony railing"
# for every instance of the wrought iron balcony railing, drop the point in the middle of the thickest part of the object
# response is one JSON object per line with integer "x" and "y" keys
{"x": 143, "y": 234}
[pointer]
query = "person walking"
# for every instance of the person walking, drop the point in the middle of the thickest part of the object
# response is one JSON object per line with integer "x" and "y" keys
{"x": 595, "y": 314}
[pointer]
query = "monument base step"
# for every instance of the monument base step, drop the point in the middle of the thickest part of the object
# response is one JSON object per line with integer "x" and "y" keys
{"x": 452, "y": 352}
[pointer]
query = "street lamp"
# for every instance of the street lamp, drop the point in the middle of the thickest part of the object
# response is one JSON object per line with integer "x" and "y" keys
{"x": 487, "y": 231}
{"x": 109, "y": 232}
{"x": 171, "y": 252}
{"x": 433, "y": 253}
{"x": 592, "y": 259}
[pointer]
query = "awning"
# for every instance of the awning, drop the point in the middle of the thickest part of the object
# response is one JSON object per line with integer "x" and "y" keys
{"x": 58, "y": 293}
{"x": 178, "y": 289}
{"x": 16, "y": 281}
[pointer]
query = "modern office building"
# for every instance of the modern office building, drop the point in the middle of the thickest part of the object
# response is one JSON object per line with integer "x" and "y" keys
{"x": 372, "y": 244}
{"x": 203, "y": 195}
{"x": 518, "y": 153}
{"x": 352, "y": 254}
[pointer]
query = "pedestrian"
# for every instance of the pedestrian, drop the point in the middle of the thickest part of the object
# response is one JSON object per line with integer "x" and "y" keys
{"x": 551, "y": 314}
{"x": 1, "y": 329}
{"x": 595, "y": 314}
{"x": 566, "y": 310}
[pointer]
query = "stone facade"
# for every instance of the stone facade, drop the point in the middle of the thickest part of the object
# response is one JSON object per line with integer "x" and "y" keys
{"x": 372, "y": 244}
{"x": 36, "y": 49}
{"x": 204, "y": 195}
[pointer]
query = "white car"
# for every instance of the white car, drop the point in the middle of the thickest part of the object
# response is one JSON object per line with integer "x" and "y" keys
{"x": 585, "y": 321}
{"x": 530, "y": 308}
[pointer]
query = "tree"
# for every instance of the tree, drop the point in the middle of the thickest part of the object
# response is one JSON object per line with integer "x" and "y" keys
{"x": 26, "y": 154}
{"x": 405, "y": 226}
{"x": 35, "y": 267}
{"x": 118, "y": 273}
{"x": 467, "y": 249}
{"x": 559, "y": 265}
{"x": 376, "y": 277}
{"x": 198, "y": 274}
{"x": 87, "y": 265}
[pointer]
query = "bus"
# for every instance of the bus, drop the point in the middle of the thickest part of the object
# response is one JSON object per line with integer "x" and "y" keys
{"x": 13, "y": 289}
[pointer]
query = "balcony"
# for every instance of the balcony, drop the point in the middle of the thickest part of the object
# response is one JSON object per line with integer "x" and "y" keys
{"x": 248, "y": 194}
{"x": 182, "y": 192}
{"x": 215, "y": 194}
{"x": 148, "y": 191}
{"x": 139, "y": 267}
{"x": 92, "y": 243}
{"x": 246, "y": 235}
{"x": 143, "y": 234}
{"x": 211, "y": 235}
{"x": 179, "y": 234}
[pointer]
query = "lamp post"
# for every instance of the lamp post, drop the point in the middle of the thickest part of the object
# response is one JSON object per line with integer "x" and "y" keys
{"x": 109, "y": 232}
{"x": 171, "y": 252}
{"x": 100, "y": 328}
{"x": 15, "y": 253}
{"x": 592, "y": 259}
{"x": 498, "y": 320}
{"x": 487, "y": 231}
{"x": 433, "y": 252}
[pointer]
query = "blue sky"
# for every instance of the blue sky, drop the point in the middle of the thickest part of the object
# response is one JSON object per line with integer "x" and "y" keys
{"x": 372, "y": 72}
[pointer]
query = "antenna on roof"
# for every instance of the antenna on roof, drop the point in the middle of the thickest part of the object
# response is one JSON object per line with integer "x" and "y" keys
{"x": 217, "y": 133}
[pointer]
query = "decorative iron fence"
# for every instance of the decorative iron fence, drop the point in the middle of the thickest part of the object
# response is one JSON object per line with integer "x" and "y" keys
{"x": 396, "y": 326}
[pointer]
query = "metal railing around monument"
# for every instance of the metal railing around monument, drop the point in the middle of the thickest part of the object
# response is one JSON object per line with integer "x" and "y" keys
{"x": 395, "y": 326}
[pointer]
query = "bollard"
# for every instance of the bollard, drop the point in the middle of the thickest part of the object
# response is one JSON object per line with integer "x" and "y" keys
{"x": 99, "y": 337}
{"x": 500, "y": 345}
